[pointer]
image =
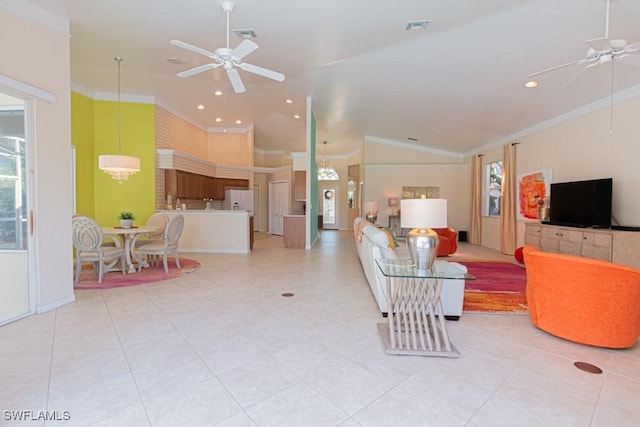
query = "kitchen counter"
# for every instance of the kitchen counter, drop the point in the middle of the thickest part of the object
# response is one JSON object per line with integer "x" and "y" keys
{"x": 294, "y": 235}
{"x": 215, "y": 231}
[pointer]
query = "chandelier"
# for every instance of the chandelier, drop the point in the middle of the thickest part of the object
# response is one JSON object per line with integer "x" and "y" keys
{"x": 326, "y": 172}
{"x": 118, "y": 166}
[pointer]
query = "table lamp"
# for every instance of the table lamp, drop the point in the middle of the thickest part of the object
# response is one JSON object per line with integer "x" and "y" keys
{"x": 394, "y": 202}
{"x": 421, "y": 215}
{"x": 371, "y": 210}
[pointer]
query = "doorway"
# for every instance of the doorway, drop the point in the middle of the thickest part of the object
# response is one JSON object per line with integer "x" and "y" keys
{"x": 15, "y": 237}
{"x": 278, "y": 206}
{"x": 329, "y": 211}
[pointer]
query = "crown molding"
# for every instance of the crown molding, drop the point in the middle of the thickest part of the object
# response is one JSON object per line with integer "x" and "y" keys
{"x": 408, "y": 146}
{"x": 169, "y": 152}
{"x": 618, "y": 97}
{"x": 34, "y": 13}
{"x": 124, "y": 97}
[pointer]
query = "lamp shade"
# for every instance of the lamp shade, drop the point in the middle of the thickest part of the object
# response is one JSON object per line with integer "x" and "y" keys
{"x": 394, "y": 202}
{"x": 371, "y": 206}
{"x": 423, "y": 213}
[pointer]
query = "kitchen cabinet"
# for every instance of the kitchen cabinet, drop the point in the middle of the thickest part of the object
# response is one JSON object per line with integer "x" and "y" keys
{"x": 294, "y": 235}
{"x": 190, "y": 186}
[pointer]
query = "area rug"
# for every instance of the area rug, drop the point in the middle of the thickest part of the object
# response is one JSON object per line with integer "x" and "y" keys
{"x": 154, "y": 273}
{"x": 499, "y": 288}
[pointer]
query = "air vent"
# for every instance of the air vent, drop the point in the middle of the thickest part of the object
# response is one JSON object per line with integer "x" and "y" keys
{"x": 246, "y": 34}
{"x": 175, "y": 61}
{"x": 416, "y": 25}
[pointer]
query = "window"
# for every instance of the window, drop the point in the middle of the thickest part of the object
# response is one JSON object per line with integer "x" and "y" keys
{"x": 492, "y": 189}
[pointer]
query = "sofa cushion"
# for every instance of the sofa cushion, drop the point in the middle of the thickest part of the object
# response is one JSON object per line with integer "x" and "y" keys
{"x": 380, "y": 239}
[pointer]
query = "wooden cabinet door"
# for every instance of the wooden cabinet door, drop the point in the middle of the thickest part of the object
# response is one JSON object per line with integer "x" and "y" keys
{"x": 170, "y": 184}
{"x": 218, "y": 188}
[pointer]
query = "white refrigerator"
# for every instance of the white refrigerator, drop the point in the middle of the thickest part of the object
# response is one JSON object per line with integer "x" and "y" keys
{"x": 238, "y": 200}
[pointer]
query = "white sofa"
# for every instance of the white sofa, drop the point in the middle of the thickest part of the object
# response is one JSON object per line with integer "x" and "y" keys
{"x": 373, "y": 243}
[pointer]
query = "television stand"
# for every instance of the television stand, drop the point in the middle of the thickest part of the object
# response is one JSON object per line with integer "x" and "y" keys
{"x": 605, "y": 244}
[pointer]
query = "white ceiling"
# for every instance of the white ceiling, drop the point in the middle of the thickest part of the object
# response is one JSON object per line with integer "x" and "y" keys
{"x": 455, "y": 86}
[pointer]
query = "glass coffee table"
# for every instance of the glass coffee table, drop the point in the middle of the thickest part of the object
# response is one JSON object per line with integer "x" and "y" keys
{"x": 415, "y": 323}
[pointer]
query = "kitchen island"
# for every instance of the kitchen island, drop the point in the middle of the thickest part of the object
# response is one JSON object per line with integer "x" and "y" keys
{"x": 215, "y": 231}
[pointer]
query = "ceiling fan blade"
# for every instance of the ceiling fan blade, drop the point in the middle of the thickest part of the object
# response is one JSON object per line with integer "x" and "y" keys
{"x": 632, "y": 48}
{"x": 236, "y": 81}
{"x": 262, "y": 72}
{"x": 578, "y": 73}
{"x": 579, "y": 61}
{"x": 196, "y": 70}
{"x": 192, "y": 48}
{"x": 243, "y": 49}
{"x": 599, "y": 44}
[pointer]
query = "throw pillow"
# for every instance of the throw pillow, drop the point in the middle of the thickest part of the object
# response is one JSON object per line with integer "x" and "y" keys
{"x": 393, "y": 243}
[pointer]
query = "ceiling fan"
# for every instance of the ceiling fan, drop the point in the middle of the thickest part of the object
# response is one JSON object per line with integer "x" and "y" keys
{"x": 600, "y": 51}
{"x": 229, "y": 59}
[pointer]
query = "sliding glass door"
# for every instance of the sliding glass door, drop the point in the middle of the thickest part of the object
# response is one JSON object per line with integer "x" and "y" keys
{"x": 14, "y": 217}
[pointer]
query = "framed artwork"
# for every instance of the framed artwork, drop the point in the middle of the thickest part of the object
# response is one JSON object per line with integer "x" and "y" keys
{"x": 533, "y": 190}
{"x": 418, "y": 192}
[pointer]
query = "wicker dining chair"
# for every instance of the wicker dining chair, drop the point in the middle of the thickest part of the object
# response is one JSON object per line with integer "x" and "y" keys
{"x": 89, "y": 243}
{"x": 165, "y": 247}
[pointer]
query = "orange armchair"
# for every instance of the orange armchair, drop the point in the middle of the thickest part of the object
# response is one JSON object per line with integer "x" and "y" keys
{"x": 583, "y": 300}
{"x": 448, "y": 241}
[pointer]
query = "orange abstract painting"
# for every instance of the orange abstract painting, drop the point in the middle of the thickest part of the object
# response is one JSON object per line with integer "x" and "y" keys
{"x": 532, "y": 189}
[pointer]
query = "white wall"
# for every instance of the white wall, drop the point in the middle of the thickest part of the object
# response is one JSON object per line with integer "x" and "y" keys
{"x": 576, "y": 149}
{"x": 38, "y": 55}
{"x": 385, "y": 181}
{"x": 579, "y": 149}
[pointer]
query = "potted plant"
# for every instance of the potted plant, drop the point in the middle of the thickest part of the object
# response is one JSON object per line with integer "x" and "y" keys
{"x": 126, "y": 219}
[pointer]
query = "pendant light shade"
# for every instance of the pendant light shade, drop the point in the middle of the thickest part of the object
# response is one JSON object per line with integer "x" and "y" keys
{"x": 118, "y": 166}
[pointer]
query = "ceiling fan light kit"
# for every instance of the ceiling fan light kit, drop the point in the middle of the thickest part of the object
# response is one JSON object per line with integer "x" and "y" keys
{"x": 601, "y": 51}
{"x": 229, "y": 59}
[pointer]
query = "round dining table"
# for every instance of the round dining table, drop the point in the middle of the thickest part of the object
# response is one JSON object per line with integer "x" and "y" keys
{"x": 129, "y": 236}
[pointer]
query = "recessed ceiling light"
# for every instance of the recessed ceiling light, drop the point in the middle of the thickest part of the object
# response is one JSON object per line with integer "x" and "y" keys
{"x": 288, "y": 101}
{"x": 200, "y": 107}
{"x": 296, "y": 116}
{"x": 217, "y": 93}
{"x": 416, "y": 25}
{"x": 238, "y": 122}
{"x": 218, "y": 119}
{"x": 531, "y": 83}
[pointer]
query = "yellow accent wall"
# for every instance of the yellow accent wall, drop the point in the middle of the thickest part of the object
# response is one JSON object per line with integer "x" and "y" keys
{"x": 95, "y": 132}
{"x": 82, "y": 136}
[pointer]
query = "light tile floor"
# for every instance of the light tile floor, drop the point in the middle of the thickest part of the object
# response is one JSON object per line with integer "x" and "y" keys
{"x": 223, "y": 347}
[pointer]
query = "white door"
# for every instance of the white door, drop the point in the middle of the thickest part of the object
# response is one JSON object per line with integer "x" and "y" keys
{"x": 278, "y": 206}
{"x": 329, "y": 208}
{"x": 15, "y": 237}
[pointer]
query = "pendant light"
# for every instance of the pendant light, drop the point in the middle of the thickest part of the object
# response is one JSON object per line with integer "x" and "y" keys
{"x": 326, "y": 172}
{"x": 118, "y": 166}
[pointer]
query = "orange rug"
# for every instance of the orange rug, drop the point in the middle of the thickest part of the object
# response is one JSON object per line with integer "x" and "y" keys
{"x": 499, "y": 288}
{"x": 154, "y": 273}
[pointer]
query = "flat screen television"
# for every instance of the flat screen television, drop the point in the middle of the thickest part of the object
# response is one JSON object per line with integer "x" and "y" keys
{"x": 581, "y": 203}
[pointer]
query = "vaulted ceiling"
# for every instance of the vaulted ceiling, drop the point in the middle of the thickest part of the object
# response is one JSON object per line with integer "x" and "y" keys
{"x": 455, "y": 85}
